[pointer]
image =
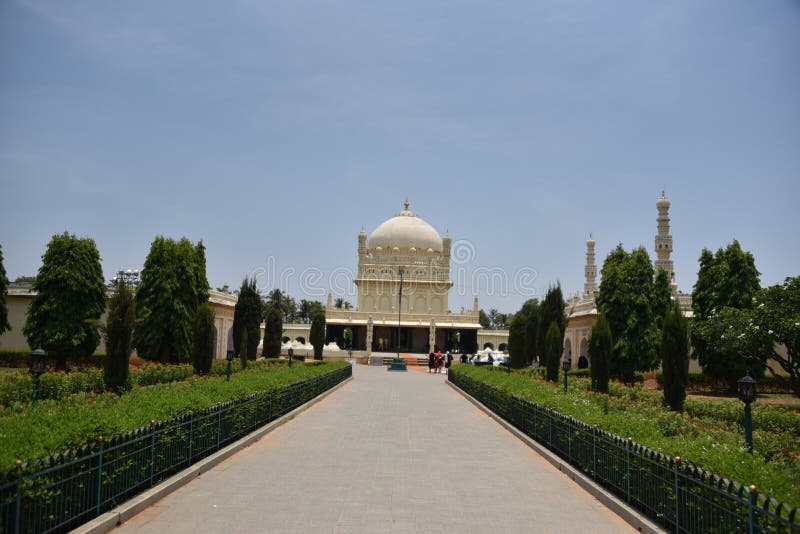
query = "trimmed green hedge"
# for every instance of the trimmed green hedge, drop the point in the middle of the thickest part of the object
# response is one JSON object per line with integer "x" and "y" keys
{"x": 48, "y": 427}
{"x": 21, "y": 359}
{"x": 701, "y": 382}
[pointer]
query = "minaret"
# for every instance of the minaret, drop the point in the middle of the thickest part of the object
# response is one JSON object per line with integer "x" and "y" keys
{"x": 446, "y": 243}
{"x": 590, "y": 287}
{"x": 664, "y": 240}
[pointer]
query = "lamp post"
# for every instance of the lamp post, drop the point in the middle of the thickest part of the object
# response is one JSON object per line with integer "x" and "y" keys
{"x": 229, "y": 355}
{"x": 567, "y": 365}
{"x": 38, "y": 362}
{"x": 291, "y": 355}
{"x": 399, "y": 304}
{"x": 747, "y": 394}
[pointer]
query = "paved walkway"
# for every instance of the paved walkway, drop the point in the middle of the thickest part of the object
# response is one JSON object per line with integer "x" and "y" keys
{"x": 387, "y": 452}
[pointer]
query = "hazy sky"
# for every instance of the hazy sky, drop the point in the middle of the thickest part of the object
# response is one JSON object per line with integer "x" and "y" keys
{"x": 275, "y": 131}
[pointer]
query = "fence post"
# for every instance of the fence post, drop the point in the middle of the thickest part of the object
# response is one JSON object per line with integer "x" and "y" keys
{"x": 18, "y": 507}
{"x": 152, "y": 450}
{"x": 219, "y": 425}
{"x": 550, "y": 428}
{"x": 191, "y": 435}
{"x": 594, "y": 453}
{"x": 751, "y": 515}
{"x": 628, "y": 469}
{"x": 569, "y": 440}
{"x": 100, "y": 476}
{"x": 677, "y": 495}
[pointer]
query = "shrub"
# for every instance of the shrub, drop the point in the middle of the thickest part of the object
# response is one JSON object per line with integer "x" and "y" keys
{"x": 675, "y": 358}
{"x": 118, "y": 331}
{"x": 243, "y": 348}
{"x": 203, "y": 346}
{"x": 600, "y": 347}
{"x": 552, "y": 351}
{"x": 273, "y": 328}
{"x": 317, "y": 334}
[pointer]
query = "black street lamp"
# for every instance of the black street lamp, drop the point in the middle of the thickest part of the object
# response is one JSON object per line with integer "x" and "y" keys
{"x": 747, "y": 394}
{"x": 566, "y": 365}
{"x": 229, "y": 357}
{"x": 398, "y": 364}
{"x": 291, "y": 355}
{"x": 38, "y": 364}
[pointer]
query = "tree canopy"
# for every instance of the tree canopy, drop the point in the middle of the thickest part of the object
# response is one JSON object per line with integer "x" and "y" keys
{"x": 628, "y": 300}
{"x": 173, "y": 284}
{"x": 70, "y": 298}
{"x": 4, "y": 325}
{"x": 727, "y": 284}
{"x": 247, "y": 316}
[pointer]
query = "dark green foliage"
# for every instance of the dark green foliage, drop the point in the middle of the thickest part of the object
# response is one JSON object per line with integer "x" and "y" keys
{"x": 287, "y": 305}
{"x": 203, "y": 347}
{"x": 317, "y": 335}
{"x": 243, "y": 349}
{"x": 273, "y": 328}
{"x": 552, "y": 351}
{"x": 521, "y": 346}
{"x": 348, "y": 338}
{"x": 551, "y": 310}
{"x": 727, "y": 283}
{"x": 307, "y": 310}
{"x": 483, "y": 319}
{"x": 599, "y": 351}
{"x": 173, "y": 284}
{"x": 627, "y": 298}
{"x": 662, "y": 297}
{"x": 247, "y": 316}
{"x": 675, "y": 358}
{"x": 4, "y": 325}
{"x": 70, "y": 297}
{"x": 118, "y": 334}
{"x": 530, "y": 312}
{"x": 777, "y": 313}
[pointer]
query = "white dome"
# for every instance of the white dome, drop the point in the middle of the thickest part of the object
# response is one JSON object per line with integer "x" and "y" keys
{"x": 405, "y": 230}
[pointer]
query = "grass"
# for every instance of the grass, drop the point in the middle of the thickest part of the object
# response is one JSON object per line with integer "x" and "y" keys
{"x": 36, "y": 430}
{"x": 708, "y": 433}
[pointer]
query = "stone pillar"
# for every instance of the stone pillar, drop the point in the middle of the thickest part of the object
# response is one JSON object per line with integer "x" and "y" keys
{"x": 432, "y": 335}
{"x": 369, "y": 336}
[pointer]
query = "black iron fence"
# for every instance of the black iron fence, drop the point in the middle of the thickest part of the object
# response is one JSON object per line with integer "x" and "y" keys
{"x": 679, "y": 496}
{"x": 63, "y": 491}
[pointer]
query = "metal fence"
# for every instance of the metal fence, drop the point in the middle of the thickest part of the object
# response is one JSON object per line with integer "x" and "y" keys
{"x": 61, "y": 492}
{"x": 677, "y": 495}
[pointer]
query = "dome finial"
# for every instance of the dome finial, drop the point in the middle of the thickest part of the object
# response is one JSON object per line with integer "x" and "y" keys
{"x": 406, "y": 204}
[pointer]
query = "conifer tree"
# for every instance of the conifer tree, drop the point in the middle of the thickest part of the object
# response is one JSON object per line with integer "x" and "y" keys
{"x": 203, "y": 341}
{"x": 247, "y": 316}
{"x": 4, "y": 325}
{"x": 70, "y": 297}
{"x": 552, "y": 351}
{"x": 273, "y": 328}
{"x": 551, "y": 310}
{"x": 118, "y": 333}
{"x": 173, "y": 284}
{"x": 600, "y": 346}
{"x": 317, "y": 334}
{"x": 243, "y": 349}
{"x": 675, "y": 358}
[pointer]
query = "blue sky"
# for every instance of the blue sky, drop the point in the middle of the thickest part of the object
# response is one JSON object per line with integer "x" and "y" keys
{"x": 275, "y": 131}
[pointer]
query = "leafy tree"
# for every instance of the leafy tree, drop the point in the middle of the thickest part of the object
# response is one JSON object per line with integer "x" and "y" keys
{"x": 4, "y": 325}
{"x": 173, "y": 284}
{"x": 70, "y": 297}
{"x": 777, "y": 313}
{"x": 516, "y": 341}
{"x": 247, "y": 315}
{"x": 727, "y": 279}
{"x": 484, "y": 320}
{"x": 600, "y": 350}
{"x": 118, "y": 333}
{"x": 552, "y": 351}
{"x": 626, "y": 299}
{"x": 493, "y": 313}
{"x": 317, "y": 334}
{"x": 25, "y": 279}
{"x": 243, "y": 348}
{"x": 551, "y": 310}
{"x": 307, "y": 310}
{"x": 532, "y": 321}
{"x": 203, "y": 346}
{"x": 285, "y": 303}
{"x": 273, "y": 328}
{"x": 662, "y": 297}
{"x": 675, "y": 358}
{"x": 342, "y": 304}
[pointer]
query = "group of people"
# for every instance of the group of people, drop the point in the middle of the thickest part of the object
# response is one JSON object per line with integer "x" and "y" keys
{"x": 437, "y": 360}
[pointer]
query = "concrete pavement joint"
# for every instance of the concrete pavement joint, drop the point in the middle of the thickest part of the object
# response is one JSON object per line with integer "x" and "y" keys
{"x": 111, "y": 519}
{"x": 630, "y": 515}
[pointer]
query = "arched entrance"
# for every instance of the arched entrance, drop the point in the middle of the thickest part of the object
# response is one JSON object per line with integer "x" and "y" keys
{"x": 583, "y": 360}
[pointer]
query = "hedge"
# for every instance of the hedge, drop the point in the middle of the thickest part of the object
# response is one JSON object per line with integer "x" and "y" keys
{"x": 701, "y": 382}
{"x": 21, "y": 359}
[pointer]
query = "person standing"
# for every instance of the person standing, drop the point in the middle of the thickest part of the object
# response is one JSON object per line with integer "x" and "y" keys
{"x": 439, "y": 362}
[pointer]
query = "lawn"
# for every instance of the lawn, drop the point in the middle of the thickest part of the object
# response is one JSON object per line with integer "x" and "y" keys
{"x": 708, "y": 433}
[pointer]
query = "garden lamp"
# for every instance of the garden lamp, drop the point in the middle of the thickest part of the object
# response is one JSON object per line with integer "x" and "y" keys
{"x": 291, "y": 355}
{"x": 38, "y": 363}
{"x": 747, "y": 394}
{"x": 567, "y": 365}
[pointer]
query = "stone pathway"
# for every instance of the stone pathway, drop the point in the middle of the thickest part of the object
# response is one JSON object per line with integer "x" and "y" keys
{"x": 387, "y": 452}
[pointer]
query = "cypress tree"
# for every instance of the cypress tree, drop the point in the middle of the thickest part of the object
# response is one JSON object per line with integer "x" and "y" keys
{"x": 552, "y": 351}
{"x": 70, "y": 297}
{"x": 4, "y": 325}
{"x": 599, "y": 350}
{"x": 243, "y": 349}
{"x": 273, "y": 328}
{"x": 317, "y": 334}
{"x": 551, "y": 310}
{"x": 675, "y": 358}
{"x": 118, "y": 333}
{"x": 203, "y": 346}
{"x": 247, "y": 316}
{"x": 516, "y": 341}
{"x": 173, "y": 285}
